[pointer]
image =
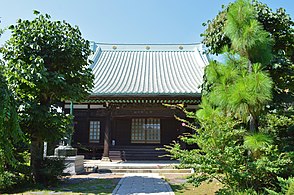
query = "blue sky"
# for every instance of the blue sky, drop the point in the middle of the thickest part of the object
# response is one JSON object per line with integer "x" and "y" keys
{"x": 128, "y": 21}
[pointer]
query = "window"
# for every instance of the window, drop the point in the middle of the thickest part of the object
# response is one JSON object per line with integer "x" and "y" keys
{"x": 94, "y": 135}
{"x": 145, "y": 130}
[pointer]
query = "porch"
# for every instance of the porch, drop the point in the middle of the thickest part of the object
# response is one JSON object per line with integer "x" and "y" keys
{"x": 126, "y": 132}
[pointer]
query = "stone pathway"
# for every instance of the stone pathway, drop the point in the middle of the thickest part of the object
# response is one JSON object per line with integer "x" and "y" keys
{"x": 142, "y": 183}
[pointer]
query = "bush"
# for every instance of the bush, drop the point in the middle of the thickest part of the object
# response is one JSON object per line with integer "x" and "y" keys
{"x": 287, "y": 187}
{"x": 281, "y": 128}
{"x": 291, "y": 189}
{"x": 7, "y": 180}
{"x": 222, "y": 155}
{"x": 237, "y": 192}
{"x": 51, "y": 170}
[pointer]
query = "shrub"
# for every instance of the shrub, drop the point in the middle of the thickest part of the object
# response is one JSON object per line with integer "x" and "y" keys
{"x": 51, "y": 170}
{"x": 237, "y": 192}
{"x": 287, "y": 187}
{"x": 7, "y": 180}
{"x": 222, "y": 155}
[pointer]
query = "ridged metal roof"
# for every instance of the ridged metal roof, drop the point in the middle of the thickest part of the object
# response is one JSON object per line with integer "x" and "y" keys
{"x": 143, "y": 70}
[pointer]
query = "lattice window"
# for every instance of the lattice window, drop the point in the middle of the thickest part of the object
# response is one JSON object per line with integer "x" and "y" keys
{"x": 145, "y": 130}
{"x": 94, "y": 133}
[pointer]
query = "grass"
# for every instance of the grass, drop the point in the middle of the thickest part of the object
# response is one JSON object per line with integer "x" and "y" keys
{"x": 203, "y": 189}
{"x": 89, "y": 186}
{"x": 179, "y": 186}
{"x": 106, "y": 186}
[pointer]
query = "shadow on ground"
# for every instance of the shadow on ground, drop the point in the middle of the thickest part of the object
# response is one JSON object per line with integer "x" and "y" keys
{"x": 179, "y": 188}
{"x": 88, "y": 185}
{"x": 74, "y": 186}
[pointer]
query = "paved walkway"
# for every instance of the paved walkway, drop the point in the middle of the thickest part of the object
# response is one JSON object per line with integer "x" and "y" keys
{"x": 142, "y": 183}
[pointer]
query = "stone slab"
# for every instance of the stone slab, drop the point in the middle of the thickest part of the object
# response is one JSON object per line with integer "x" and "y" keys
{"x": 65, "y": 151}
{"x": 74, "y": 164}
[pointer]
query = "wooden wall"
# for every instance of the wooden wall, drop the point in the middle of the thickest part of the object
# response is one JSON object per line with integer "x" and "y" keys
{"x": 121, "y": 119}
{"x": 170, "y": 129}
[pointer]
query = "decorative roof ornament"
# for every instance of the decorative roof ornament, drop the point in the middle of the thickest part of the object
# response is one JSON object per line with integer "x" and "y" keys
{"x": 147, "y": 47}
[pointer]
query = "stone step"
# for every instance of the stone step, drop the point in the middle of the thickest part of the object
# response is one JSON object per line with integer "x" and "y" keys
{"x": 135, "y": 167}
{"x": 95, "y": 168}
{"x": 144, "y": 170}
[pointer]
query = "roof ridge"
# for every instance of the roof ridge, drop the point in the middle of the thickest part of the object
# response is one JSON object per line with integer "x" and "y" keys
{"x": 102, "y": 43}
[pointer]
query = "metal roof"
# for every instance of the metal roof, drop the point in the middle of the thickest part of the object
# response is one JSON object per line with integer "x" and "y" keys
{"x": 145, "y": 70}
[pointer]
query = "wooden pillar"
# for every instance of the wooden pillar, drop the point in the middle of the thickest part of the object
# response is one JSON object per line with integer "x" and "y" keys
{"x": 105, "y": 156}
{"x": 71, "y": 110}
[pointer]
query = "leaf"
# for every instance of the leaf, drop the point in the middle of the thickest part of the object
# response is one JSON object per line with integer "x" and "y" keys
{"x": 36, "y": 12}
{"x": 257, "y": 141}
{"x": 11, "y": 27}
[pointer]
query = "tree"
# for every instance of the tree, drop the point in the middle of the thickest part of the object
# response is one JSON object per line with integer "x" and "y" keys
{"x": 46, "y": 64}
{"x": 222, "y": 155}
{"x": 280, "y": 27}
{"x": 236, "y": 91}
{"x": 249, "y": 40}
{"x": 10, "y": 132}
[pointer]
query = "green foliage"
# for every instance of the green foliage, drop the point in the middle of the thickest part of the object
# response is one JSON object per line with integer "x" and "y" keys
{"x": 237, "y": 192}
{"x": 280, "y": 128}
{"x": 287, "y": 187}
{"x": 257, "y": 142}
{"x": 213, "y": 37}
{"x": 236, "y": 92}
{"x": 223, "y": 155}
{"x": 46, "y": 63}
{"x": 47, "y": 60}
{"x": 290, "y": 189}
{"x": 278, "y": 24}
{"x": 10, "y": 133}
{"x": 246, "y": 33}
{"x": 51, "y": 170}
{"x": 280, "y": 27}
{"x": 6, "y": 180}
{"x": 55, "y": 125}
{"x": 14, "y": 176}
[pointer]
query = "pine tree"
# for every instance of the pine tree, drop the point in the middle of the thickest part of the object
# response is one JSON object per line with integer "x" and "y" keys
{"x": 236, "y": 92}
{"x": 250, "y": 41}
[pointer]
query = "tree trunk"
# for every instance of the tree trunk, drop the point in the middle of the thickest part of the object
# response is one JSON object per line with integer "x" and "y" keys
{"x": 249, "y": 66}
{"x": 252, "y": 119}
{"x": 37, "y": 145}
{"x": 253, "y": 124}
{"x": 36, "y": 157}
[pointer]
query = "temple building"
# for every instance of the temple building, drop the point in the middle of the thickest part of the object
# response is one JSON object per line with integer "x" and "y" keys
{"x": 124, "y": 117}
